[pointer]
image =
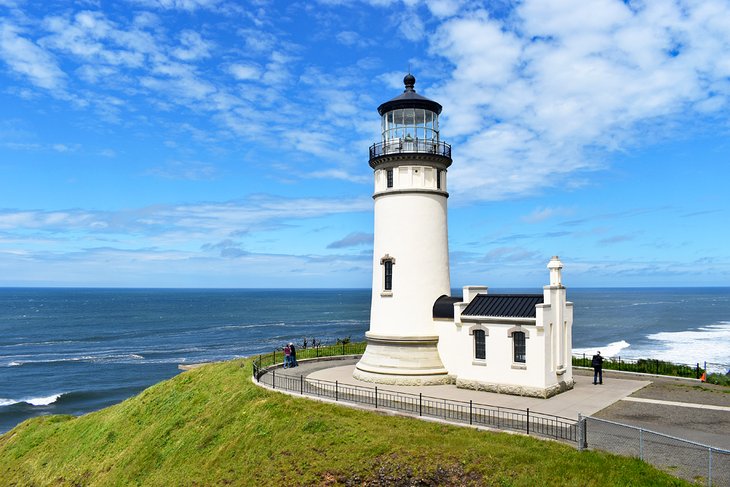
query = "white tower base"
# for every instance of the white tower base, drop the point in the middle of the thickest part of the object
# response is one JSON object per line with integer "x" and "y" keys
{"x": 408, "y": 361}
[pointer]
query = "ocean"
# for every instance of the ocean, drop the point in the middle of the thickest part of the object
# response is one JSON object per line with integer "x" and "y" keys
{"x": 72, "y": 351}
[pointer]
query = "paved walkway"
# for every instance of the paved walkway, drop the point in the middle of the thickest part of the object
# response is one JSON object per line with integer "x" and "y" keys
{"x": 585, "y": 398}
{"x": 677, "y": 403}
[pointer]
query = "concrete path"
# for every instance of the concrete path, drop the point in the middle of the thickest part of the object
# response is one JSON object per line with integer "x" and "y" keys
{"x": 585, "y": 398}
{"x": 677, "y": 403}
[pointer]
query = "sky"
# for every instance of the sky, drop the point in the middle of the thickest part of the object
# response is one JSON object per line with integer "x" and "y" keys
{"x": 219, "y": 143}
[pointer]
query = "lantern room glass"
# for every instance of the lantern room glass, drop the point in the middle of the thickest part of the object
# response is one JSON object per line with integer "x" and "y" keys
{"x": 410, "y": 124}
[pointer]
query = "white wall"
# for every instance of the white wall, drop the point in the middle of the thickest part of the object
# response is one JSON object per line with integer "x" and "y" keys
{"x": 411, "y": 228}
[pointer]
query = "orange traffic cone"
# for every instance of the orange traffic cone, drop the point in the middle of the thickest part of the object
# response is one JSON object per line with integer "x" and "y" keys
{"x": 704, "y": 377}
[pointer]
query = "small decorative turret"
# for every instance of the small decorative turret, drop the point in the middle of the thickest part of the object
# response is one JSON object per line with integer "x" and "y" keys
{"x": 555, "y": 267}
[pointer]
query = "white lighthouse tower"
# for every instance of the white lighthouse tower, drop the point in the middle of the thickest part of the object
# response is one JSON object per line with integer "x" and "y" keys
{"x": 411, "y": 254}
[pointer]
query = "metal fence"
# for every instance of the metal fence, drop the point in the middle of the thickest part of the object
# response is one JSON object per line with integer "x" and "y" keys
{"x": 523, "y": 420}
{"x": 682, "y": 458}
{"x": 685, "y": 459}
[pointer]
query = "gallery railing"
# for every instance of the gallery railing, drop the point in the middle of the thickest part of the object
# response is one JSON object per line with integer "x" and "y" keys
{"x": 418, "y": 146}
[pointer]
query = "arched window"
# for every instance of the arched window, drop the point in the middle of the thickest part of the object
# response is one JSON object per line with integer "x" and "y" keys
{"x": 480, "y": 334}
{"x": 387, "y": 262}
{"x": 480, "y": 345}
{"x": 519, "y": 346}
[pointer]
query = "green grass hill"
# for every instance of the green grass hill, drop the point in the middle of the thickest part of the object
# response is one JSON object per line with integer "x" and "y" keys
{"x": 213, "y": 426}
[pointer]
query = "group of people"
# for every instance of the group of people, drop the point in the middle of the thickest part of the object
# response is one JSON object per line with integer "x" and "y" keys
{"x": 290, "y": 356}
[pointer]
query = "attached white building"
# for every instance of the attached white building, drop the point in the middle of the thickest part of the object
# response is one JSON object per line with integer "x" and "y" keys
{"x": 517, "y": 344}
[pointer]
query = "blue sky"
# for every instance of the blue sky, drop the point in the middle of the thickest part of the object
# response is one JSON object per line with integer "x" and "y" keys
{"x": 211, "y": 143}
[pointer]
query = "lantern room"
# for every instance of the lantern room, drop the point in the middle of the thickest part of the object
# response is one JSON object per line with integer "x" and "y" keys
{"x": 410, "y": 123}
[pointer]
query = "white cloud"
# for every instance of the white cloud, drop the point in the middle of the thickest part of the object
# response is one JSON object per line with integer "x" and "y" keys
{"x": 245, "y": 72}
{"x": 189, "y": 5}
{"x": 193, "y": 46}
{"x": 30, "y": 60}
{"x": 532, "y": 99}
{"x": 542, "y": 214}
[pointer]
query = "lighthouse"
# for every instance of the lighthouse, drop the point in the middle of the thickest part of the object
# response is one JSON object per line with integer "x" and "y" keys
{"x": 410, "y": 251}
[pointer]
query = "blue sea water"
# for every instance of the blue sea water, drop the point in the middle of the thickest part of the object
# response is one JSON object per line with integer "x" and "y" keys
{"x": 71, "y": 351}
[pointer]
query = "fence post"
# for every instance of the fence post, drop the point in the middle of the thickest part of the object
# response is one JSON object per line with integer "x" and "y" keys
{"x": 336, "y": 391}
{"x": 343, "y": 348}
{"x": 584, "y": 359}
{"x": 698, "y": 371}
{"x": 273, "y": 378}
{"x": 301, "y": 384}
{"x": 528, "y": 421}
{"x": 580, "y": 432}
{"x": 619, "y": 362}
{"x": 709, "y": 468}
{"x": 376, "y": 397}
{"x": 470, "y": 412}
{"x": 641, "y": 444}
{"x": 420, "y": 404}
{"x": 317, "y": 350}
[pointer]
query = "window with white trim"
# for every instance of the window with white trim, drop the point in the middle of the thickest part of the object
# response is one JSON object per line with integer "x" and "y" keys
{"x": 387, "y": 262}
{"x": 519, "y": 347}
{"x": 480, "y": 345}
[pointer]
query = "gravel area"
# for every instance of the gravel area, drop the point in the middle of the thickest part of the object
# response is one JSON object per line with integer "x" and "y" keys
{"x": 701, "y": 425}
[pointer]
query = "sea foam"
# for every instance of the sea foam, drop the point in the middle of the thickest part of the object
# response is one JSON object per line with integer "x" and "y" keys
{"x": 613, "y": 349}
{"x": 33, "y": 401}
{"x": 710, "y": 343}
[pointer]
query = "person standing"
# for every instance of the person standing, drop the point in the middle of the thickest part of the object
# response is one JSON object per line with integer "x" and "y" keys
{"x": 287, "y": 357}
{"x": 293, "y": 361}
{"x": 597, "y": 364}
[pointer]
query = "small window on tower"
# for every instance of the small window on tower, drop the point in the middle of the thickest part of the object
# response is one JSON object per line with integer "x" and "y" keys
{"x": 387, "y": 262}
{"x": 389, "y": 177}
{"x": 438, "y": 178}
{"x": 388, "y": 275}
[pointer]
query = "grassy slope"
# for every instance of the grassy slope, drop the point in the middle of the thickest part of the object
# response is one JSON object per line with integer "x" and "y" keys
{"x": 213, "y": 426}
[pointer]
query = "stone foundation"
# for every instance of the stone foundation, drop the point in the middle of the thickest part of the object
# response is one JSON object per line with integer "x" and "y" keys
{"x": 516, "y": 390}
{"x": 399, "y": 360}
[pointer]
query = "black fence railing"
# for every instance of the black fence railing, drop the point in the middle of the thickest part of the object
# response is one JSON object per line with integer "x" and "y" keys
{"x": 646, "y": 366}
{"x": 265, "y": 360}
{"x": 524, "y": 420}
{"x": 419, "y": 146}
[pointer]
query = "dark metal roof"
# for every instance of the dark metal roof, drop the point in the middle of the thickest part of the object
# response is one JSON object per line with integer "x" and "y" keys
{"x": 409, "y": 99}
{"x": 504, "y": 305}
{"x": 444, "y": 307}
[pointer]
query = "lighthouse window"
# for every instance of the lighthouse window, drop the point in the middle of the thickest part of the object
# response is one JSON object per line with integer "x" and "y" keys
{"x": 438, "y": 178}
{"x": 518, "y": 344}
{"x": 389, "y": 177}
{"x": 388, "y": 265}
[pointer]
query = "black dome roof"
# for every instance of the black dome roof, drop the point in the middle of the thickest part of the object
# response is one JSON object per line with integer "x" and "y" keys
{"x": 409, "y": 99}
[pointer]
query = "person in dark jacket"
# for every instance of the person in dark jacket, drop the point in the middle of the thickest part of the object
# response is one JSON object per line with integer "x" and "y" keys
{"x": 597, "y": 364}
{"x": 293, "y": 360}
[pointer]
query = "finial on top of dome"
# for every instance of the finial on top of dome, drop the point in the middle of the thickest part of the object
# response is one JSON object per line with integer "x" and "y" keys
{"x": 409, "y": 81}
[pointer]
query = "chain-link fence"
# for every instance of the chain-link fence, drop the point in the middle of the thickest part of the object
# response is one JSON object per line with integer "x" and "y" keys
{"x": 685, "y": 459}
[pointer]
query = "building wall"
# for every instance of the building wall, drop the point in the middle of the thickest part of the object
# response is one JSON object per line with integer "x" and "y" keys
{"x": 547, "y": 368}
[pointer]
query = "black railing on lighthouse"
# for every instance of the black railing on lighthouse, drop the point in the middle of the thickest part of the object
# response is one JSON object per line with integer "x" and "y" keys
{"x": 406, "y": 145}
